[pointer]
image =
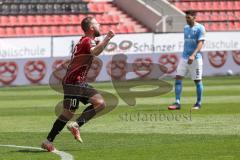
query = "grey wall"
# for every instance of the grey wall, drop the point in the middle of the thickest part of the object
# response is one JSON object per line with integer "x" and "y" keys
{"x": 158, "y": 15}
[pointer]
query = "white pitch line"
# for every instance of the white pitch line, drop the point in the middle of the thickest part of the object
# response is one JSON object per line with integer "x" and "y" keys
{"x": 63, "y": 155}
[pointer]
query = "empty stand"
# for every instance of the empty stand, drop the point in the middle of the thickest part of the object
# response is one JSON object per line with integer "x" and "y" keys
{"x": 216, "y": 15}
{"x": 61, "y": 17}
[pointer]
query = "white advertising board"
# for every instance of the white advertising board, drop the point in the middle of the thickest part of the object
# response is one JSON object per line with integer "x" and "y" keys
{"x": 18, "y": 48}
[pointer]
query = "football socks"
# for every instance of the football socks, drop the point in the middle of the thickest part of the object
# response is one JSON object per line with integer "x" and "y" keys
{"x": 178, "y": 90}
{"x": 86, "y": 115}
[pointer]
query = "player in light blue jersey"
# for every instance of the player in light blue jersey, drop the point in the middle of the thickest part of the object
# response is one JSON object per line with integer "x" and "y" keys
{"x": 191, "y": 60}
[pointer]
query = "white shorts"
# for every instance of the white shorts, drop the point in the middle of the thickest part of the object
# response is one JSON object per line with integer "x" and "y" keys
{"x": 194, "y": 69}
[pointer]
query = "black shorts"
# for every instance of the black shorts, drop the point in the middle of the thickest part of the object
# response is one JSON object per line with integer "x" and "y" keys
{"x": 73, "y": 94}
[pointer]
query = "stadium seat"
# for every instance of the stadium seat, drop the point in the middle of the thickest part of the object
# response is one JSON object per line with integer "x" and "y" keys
{"x": 46, "y": 30}
{"x": 231, "y": 26}
{"x": 28, "y": 31}
{"x": 214, "y": 16}
{"x": 55, "y": 30}
{"x": 57, "y": 19}
{"x": 64, "y": 30}
{"x": 37, "y": 31}
{"x": 66, "y": 19}
{"x": 230, "y": 16}
{"x": 224, "y": 26}
{"x": 237, "y": 5}
{"x": 22, "y": 20}
{"x": 97, "y": 8}
{"x": 81, "y": 17}
{"x": 213, "y": 26}
{"x": 40, "y": 19}
{"x": 34, "y": 17}
{"x": 206, "y": 25}
{"x": 48, "y": 19}
{"x": 194, "y": 5}
{"x": 19, "y": 31}
{"x": 4, "y": 20}
{"x": 31, "y": 20}
{"x": 2, "y": 31}
{"x": 72, "y": 30}
{"x": 74, "y": 19}
{"x": 10, "y": 31}
{"x": 238, "y": 25}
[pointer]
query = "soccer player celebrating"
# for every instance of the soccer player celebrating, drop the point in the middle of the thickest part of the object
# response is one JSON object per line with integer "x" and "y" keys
{"x": 75, "y": 86}
{"x": 191, "y": 60}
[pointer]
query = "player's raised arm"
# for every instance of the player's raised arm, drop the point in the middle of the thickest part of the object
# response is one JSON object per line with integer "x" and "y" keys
{"x": 101, "y": 45}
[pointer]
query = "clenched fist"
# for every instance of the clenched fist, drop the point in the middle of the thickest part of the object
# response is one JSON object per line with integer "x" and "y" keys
{"x": 110, "y": 34}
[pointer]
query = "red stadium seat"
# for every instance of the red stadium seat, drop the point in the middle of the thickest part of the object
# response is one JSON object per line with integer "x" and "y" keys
{"x": 223, "y": 16}
{"x": 55, "y": 30}
{"x": 10, "y": 31}
{"x": 206, "y": 5}
{"x": 237, "y": 5}
{"x": 28, "y": 31}
{"x": 79, "y": 30}
{"x": 206, "y": 25}
{"x": 20, "y": 31}
{"x": 207, "y": 16}
{"x": 231, "y": 26}
{"x": 66, "y": 19}
{"x": 230, "y": 16}
{"x": 223, "y": 5}
{"x": 4, "y": 20}
{"x": 48, "y": 19}
{"x": 201, "y": 16}
{"x": 123, "y": 29}
{"x": 214, "y": 16}
{"x": 37, "y": 31}
{"x": 230, "y": 5}
{"x": 194, "y": 5}
{"x": 116, "y": 18}
{"x": 46, "y": 30}
{"x": 108, "y": 19}
{"x": 80, "y": 17}
{"x": 2, "y": 32}
{"x": 34, "y": 23}
{"x": 223, "y": 26}
{"x": 97, "y": 8}
{"x": 237, "y": 24}
{"x": 63, "y": 30}
{"x": 72, "y": 30}
{"x": 215, "y": 5}
{"x": 104, "y": 29}
{"x": 13, "y": 21}
{"x": 185, "y": 5}
{"x": 75, "y": 19}
{"x": 22, "y": 20}
{"x": 40, "y": 20}
{"x": 57, "y": 19}
{"x": 31, "y": 20}
{"x": 213, "y": 26}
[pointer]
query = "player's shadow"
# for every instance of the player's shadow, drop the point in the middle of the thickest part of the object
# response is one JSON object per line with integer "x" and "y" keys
{"x": 29, "y": 151}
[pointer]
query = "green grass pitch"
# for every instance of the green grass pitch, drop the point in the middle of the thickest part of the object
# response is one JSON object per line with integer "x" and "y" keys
{"x": 147, "y": 131}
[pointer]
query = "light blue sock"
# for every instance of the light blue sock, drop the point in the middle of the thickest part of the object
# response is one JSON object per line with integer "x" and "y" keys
{"x": 199, "y": 89}
{"x": 178, "y": 90}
